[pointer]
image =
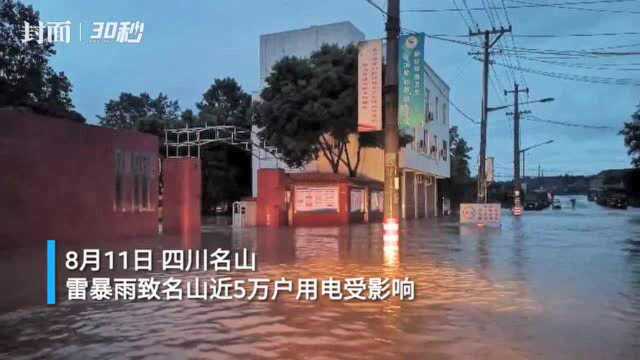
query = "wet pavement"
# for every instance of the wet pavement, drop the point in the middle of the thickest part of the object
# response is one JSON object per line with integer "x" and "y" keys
{"x": 554, "y": 284}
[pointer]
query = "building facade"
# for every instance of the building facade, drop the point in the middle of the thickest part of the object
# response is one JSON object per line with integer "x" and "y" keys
{"x": 422, "y": 162}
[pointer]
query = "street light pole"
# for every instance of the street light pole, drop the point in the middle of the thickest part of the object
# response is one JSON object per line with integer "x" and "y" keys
{"x": 391, "y": 137}
{"x": 523, "y": 151}
{"x": 516, "y": 147}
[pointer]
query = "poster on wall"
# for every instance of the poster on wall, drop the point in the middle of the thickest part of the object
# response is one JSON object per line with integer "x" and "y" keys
{"x": 377, "y": 200}
{"x": 411, "y": 109}
{"x": 357, "y": 200}
{"x": 370, "y": 86}
{"x": 316, "y": 198}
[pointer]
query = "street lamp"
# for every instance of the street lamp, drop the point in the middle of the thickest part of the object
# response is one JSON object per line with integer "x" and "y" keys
{"x": 523, "y": 151}
{"x": 544, "y": 100}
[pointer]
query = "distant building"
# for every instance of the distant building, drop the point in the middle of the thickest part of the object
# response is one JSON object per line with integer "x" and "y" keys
{"x": 422, "y": 162}
{"x": 303, "y": 42}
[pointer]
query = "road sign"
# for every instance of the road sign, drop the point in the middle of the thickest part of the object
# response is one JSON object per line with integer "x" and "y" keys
{"x": 480, "y": 214}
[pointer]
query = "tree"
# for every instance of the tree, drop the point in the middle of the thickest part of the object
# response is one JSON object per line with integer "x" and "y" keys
{"x": 309, "y": 109}
{"x": 141, "y": 112}
{"x": 225, "y": 103}
{"x": 459, "y": 152}
{"x": 631, "y": 132}
{"x": 289, "y": 117}
{"x": 226, "y": 169}
{"x": 26, "y": 79}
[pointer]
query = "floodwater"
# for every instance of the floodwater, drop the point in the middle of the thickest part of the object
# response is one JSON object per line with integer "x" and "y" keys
{"x": 554, "y": 284}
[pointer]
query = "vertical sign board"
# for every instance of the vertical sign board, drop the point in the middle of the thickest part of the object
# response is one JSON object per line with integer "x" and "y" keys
{"x": 489, "y": 171}
{"x": 485, "y": 214}
{"x": 411, "y": 104}
{"x": 370, "y": 86}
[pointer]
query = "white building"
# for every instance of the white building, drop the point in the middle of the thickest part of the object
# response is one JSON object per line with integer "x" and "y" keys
{"x": 300, "y": 43}
{"x": 421, "y": 162}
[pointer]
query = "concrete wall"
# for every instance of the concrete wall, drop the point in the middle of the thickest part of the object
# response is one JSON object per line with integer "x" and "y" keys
{"x": 58, "y": 181}
{"x": 302, "y": 42}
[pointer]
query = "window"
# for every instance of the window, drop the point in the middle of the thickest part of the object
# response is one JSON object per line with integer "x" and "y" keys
{"x": 435, "y": 110}
{"x": 136, "y": 183}
{"x": 415, "y": 139}
{"x": 146, "y": 182}
{"x": 425, "y": 140}
{"x": 119, "y": 174}
{"x": 141, "y": 174}
{"x": 434, "y": 147}
{"x": 426, "y": 106}
{"x": 445, "y": 150}
{"x": 444, "y": 113}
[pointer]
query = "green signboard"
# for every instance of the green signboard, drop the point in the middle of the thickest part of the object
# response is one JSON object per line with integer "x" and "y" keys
{"x": 411, "y": 104}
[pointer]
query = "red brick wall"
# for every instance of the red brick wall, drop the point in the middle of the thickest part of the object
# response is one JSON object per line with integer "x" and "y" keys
{"x": 57, "y": 181}
{"x": 181, "y": 198}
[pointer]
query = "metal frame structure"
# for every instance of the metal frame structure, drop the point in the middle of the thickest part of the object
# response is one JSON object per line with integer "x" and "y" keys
{"x": 189, "y": 137}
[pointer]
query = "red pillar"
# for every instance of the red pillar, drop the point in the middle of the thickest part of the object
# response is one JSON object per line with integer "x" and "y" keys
{"x": 272, "y": 187}
{"x": 182, "y": 198}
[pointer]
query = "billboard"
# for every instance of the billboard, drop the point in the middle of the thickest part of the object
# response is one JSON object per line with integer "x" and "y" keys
{"x": 370, "y": 86}
{"x": 316, "y": 198}
{"x": 411, "y": 104}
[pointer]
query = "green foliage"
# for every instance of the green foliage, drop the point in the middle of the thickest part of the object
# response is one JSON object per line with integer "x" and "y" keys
{"x": 141, "y": 112}
{"x": 310, "y": 108}
{"x": 459, "y": 151}
{"x": 225, "y": 103}
{"x": 226, "y": 170}
{"x": 26, "y": 79}
{"x": 289, "y": 115}
{"x": 631, "y": 133}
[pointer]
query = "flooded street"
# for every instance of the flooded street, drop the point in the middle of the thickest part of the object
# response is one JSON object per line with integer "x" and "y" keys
{"x": 554, "y": 284}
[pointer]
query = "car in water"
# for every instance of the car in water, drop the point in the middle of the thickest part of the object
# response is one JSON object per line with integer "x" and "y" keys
{"x": 617, "y": 201}
{"x": 536, "y": 200}
{"x": 557, "y": 205}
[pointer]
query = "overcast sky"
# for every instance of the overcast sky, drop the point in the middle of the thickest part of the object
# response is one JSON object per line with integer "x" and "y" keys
{"x": 189, "y": 43}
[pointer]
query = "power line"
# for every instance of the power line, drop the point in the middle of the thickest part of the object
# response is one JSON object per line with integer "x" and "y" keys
{"x": 576, "y": 53}
{"x": 564, "y": 123}
{"x": 577, "y": 35}
{"x": 448, "y": 99}
{"x": 582, "y": 78}
{"x": 626, "y": 33}
{"x": 609, "y": 67}
{"x": 529, "y": 5}
{"x": 377, "y": 7}
{"x": 580, "y": 8}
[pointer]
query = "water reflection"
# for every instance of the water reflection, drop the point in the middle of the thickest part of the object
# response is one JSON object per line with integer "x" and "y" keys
{"x": 549, "y": 285}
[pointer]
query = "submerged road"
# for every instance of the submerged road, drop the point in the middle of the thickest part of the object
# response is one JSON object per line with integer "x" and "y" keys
{"x": 554, "y": 284}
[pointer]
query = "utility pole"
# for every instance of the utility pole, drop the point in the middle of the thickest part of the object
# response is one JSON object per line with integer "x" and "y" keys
{"x": 391, "y": 141}
{"x": 516, "y": 143}
{"x": 488, "y": 43}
